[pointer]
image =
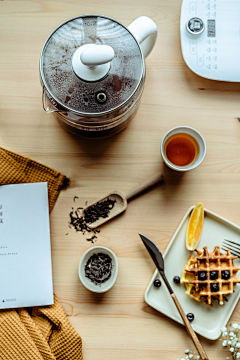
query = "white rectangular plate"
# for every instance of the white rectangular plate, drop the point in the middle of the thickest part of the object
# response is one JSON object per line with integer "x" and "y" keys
{"x": 208, "y": 321}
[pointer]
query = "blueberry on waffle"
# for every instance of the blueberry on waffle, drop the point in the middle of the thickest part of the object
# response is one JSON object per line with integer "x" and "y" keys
{"x": 210, "y": 275}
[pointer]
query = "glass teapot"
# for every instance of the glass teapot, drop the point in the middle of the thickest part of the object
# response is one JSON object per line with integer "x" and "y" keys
{"x": 92, "y": 72}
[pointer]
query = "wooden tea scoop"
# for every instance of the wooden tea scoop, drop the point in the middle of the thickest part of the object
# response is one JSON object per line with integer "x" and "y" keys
{"x": 121, "y": 199}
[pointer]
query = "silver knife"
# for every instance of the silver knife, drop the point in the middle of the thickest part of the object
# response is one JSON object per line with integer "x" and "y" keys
{"x": 157, "y": 258}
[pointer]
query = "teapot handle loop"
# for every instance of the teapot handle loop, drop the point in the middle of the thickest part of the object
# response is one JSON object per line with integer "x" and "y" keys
{"x": 145, "y": 31}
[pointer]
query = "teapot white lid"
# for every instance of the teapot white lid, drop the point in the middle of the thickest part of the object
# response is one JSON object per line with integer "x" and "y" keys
{"x": 68, "y": 77}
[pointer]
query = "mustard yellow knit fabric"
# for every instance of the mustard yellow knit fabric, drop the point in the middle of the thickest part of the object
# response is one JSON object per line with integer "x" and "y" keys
{"x": 38, "y": 333}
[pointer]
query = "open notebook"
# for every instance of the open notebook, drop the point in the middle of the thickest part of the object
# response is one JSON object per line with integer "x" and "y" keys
{"x": 25, "y": 248}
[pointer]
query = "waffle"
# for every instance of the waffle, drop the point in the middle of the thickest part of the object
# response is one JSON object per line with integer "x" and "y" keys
{"x": 207, "y": 262}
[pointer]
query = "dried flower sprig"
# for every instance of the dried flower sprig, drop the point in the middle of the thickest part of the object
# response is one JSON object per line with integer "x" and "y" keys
{"x": 189, "y": 355}
{"x": 231, "y": 339}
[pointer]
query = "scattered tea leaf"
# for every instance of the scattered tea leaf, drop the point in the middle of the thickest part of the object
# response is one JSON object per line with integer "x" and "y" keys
{"x": 92, "y": 238}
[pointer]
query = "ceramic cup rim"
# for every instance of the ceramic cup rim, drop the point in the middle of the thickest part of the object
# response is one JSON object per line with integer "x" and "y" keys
{"x": 197, "y": 136}
{"x": 88, "y": 283}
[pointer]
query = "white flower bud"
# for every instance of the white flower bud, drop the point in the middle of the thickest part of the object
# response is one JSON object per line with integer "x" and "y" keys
{"x": 231, "y": 333}
{"x": 235, "y": 326}
{"x": 190, "y": 356}
{"x": 224, "y": 329}
{"x": 187, "y": 351}
{"x": 238, "y": 355}
{"x": 229, "y": 342}
{"x": 224, "y": 343}
{"x": 238, "y": 345}
{"x": 197, "y": 357}
{"x": 225, "y": 333}
{"x": 231, "y": 349}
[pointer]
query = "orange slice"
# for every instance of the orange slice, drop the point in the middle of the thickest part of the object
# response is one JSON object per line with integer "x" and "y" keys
{"x": 195, "y": 226}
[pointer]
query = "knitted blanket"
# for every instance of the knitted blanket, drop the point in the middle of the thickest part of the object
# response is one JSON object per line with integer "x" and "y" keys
{"x": 37, "y": 333}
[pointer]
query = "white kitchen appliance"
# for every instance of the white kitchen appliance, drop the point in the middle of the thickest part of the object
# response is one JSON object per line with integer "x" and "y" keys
{"x": 210, "y": 38}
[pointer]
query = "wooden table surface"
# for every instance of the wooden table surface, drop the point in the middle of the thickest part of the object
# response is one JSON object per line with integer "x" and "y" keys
{"x": 119, "y": 324}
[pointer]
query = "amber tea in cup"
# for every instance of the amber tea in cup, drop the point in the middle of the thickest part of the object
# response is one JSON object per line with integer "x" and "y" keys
{"x": 183, "y": 148}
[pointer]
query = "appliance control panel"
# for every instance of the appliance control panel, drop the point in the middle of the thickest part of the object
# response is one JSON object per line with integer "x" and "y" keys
{"x": 210, "y": 38}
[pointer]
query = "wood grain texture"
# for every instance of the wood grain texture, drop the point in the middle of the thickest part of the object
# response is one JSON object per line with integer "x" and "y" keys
{"x": 119, "y": 324}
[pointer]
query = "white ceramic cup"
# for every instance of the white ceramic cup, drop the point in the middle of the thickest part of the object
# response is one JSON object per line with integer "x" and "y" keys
{"x": 201, "y": 147}
{"x": 86, "y": 281}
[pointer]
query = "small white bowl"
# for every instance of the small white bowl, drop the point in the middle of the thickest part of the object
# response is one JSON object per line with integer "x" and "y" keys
{"x": 86, "y": 281}
{"x": 201, "y": 147}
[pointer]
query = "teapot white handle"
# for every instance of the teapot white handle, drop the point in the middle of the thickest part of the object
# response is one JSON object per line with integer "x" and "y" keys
{"x": 95, "y": 55}
{"x": 145, "y": 31}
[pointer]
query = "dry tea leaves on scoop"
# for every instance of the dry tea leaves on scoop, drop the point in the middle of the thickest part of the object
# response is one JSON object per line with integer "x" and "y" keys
{"x": 98, "y": 210}
{"x": 79, "y": 219}
{"x": 98, "y": 268}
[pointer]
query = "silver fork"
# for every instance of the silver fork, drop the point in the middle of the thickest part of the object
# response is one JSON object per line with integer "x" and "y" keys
{"x": 233, "y": 246}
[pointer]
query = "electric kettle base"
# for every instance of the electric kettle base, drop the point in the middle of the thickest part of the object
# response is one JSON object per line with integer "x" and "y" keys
{"x": 210, "y": 37}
